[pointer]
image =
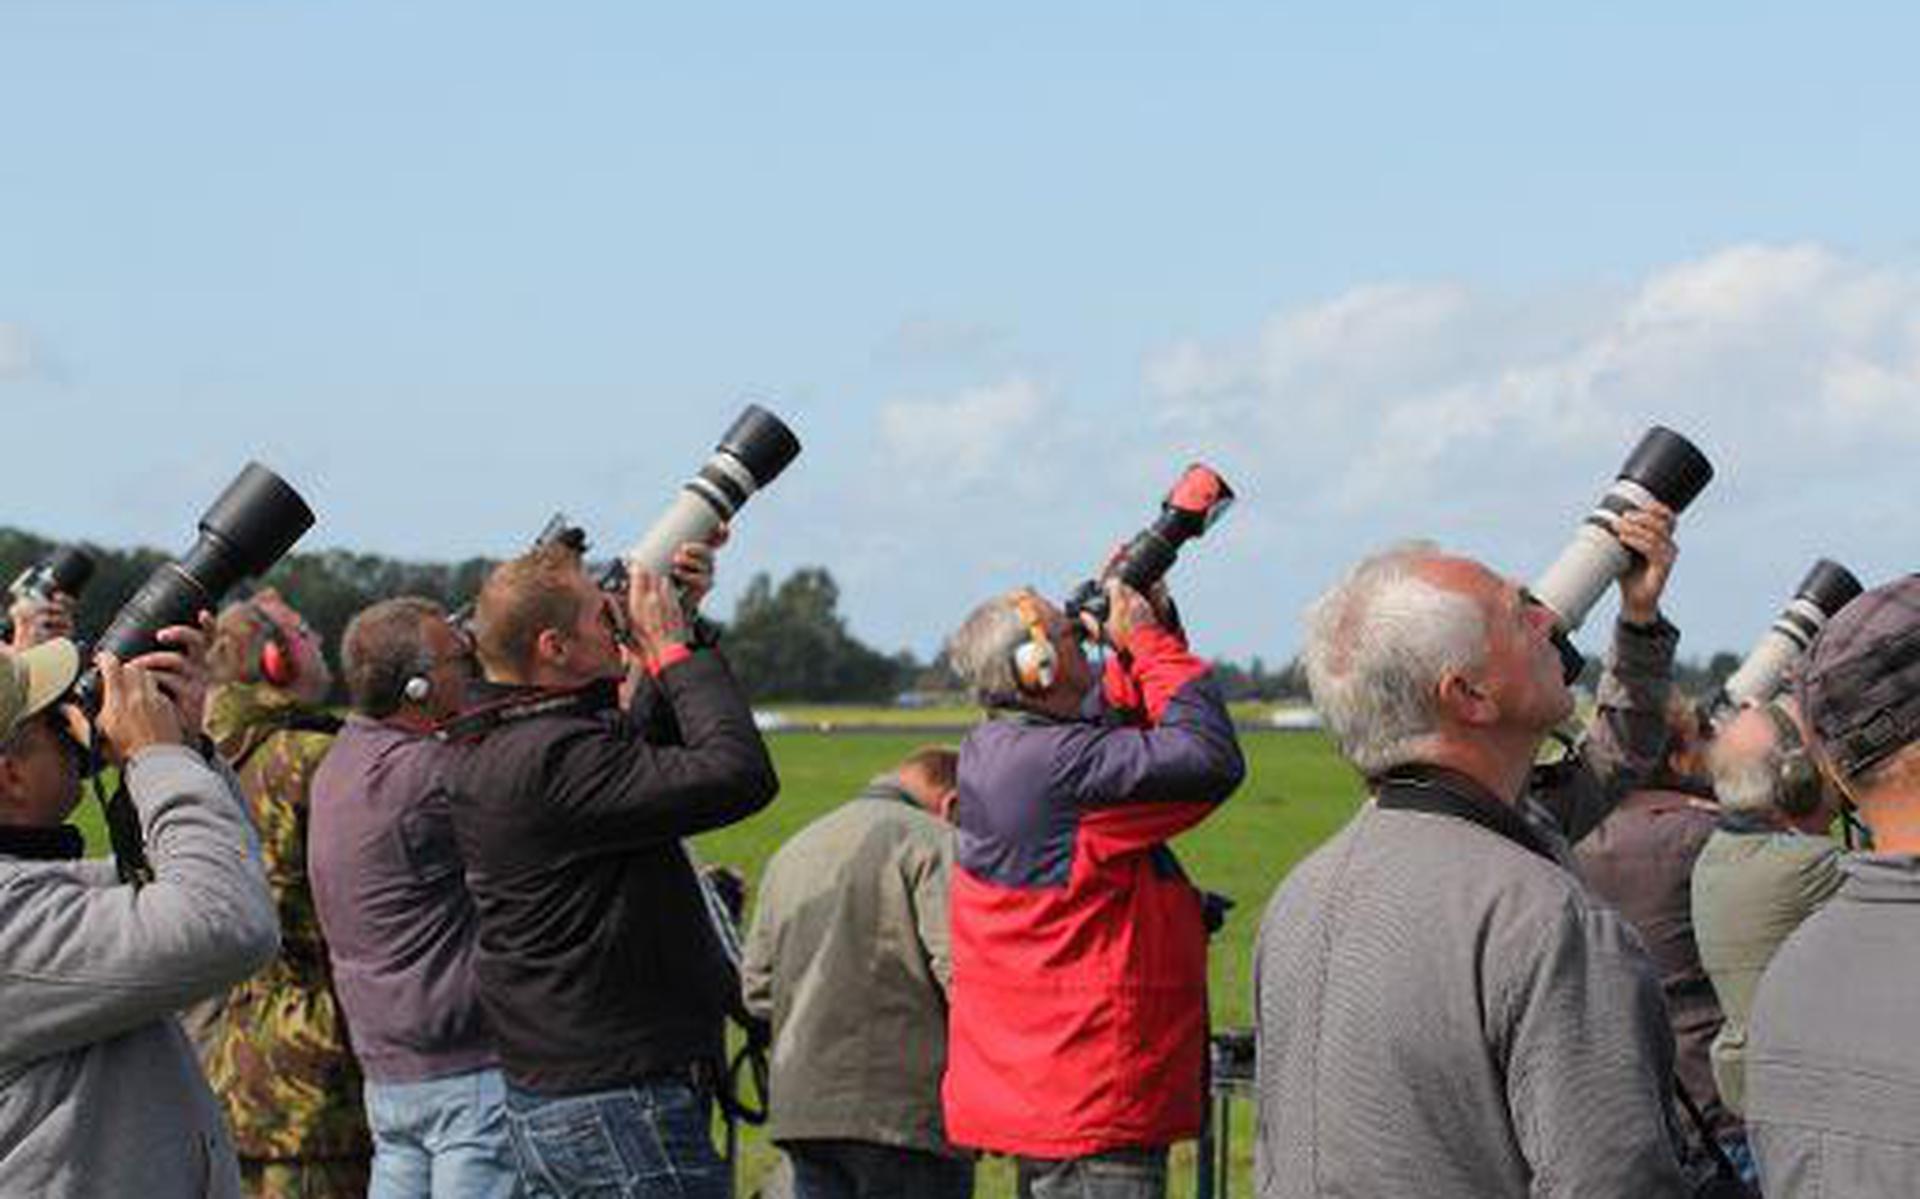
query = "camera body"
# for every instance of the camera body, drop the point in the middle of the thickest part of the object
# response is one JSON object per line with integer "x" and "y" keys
{"x": 1199, "y": 498}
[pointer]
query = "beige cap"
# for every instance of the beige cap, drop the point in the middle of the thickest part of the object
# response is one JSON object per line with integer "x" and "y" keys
{"x": 31, "y": 680}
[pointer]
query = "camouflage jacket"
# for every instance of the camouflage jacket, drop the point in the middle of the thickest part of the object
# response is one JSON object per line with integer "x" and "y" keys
{"x": 278, "y": 1055}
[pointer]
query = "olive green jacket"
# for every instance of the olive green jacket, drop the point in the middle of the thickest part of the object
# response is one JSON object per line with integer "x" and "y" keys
{"x": 847, "y": 956}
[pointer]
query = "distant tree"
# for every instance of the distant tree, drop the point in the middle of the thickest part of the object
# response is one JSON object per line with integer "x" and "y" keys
{"x": 790, "y": 643}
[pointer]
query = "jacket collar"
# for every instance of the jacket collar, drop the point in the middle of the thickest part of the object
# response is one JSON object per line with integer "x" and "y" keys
{"x": 1421, "y": 787}
{"x": 61, "y": 843}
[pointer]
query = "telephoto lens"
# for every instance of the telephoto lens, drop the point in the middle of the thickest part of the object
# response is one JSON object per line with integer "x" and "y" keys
{"x": 751, "y": 454}
{"x": 252, "y": 524}
{"x": 1665, "y": 467}
{"x": 66, "y": 570}
{"x": 1827, "y": 588}
{"x": 1197, "y": 502}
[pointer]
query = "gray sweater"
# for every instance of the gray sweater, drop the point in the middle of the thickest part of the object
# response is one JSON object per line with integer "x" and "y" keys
{"x": 1833, "y": 1062}
{"x": 1444, "y": 1013}
{"x": 100, "y": 1093}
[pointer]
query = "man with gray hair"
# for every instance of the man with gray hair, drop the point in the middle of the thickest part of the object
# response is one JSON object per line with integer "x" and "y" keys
{"x": 1442, "y": 1008}
{"x": 1766, "y": 868}
{"x": 1078, "y": 1022}
{"x": 1833, "y": 1062}
{"x": 390, "y": 892}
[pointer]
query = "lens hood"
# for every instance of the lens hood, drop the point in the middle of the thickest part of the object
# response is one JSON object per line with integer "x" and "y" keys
{"x": 761, "y": 442}
{"x": 258, "y": 517}
{"x": 1829, "y": 586}
{"x": 1669, "y": 466}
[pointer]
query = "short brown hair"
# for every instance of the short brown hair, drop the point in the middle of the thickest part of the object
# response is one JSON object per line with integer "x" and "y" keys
{"x": 939, "y": 763}
{"x": 522, "y": 598}
{"x": 383, "y": 647}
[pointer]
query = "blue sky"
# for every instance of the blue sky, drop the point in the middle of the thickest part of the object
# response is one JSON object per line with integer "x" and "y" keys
{"x": 1397, "y": 270}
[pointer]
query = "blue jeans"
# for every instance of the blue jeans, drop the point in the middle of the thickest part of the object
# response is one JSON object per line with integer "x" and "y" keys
{"x": 444, "y": 1136}
{"x": 864, "y": 1170}
{"x": 651, "y": 1140}
{"x": 1115, "y": 1174}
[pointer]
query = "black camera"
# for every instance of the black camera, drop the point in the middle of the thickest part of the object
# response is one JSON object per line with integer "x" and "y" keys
{"x": 66, "y": 570}
{"x": 252, "y": 524}
{"x": 1198, "y": 500}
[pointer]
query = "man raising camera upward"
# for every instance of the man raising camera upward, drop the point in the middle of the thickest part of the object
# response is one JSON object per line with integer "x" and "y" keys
{"x": 103, "y": 1093}
{"x": 599, "y": 968}
{"x": 1079, "y": 994}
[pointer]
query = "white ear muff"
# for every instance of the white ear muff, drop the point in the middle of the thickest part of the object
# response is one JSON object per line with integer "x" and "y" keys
{"x": 418, "y": 688}
{"x": 1033, "y": 664}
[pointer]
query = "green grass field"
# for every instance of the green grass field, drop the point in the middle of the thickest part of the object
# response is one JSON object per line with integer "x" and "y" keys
{"x": 1297, "y": 792}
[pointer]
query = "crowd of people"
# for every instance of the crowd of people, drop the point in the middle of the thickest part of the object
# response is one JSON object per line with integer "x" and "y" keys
{"x": 455, "y": 942}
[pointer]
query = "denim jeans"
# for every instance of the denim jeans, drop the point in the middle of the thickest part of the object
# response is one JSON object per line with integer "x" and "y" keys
{"x": 865, "y": 1170}
{"x": 442, "y": 1136}
{"x": 1115, "y": 1174}
{"x": 651, "y": 1140}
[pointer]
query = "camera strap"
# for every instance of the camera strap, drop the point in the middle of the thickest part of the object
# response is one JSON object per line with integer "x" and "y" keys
{"x": 478, "y": 721}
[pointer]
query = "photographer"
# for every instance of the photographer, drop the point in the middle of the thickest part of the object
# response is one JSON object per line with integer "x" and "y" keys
{"x": 103, "y": 1095}
{"x": 277, "y": 1054}
{"x": 1079, "y": 1015}
{"x": 599, "y": 967}
{"x": 1832, "y": 1065}
{"x": 388, "y": 888}
{"x": 1442, "y": 1008}
{"x": 1767, "y": 867}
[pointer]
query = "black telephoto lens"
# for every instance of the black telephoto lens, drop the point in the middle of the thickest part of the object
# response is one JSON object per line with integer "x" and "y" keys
{"x": 69, "y": 569}
{"x": 252, "y": 524}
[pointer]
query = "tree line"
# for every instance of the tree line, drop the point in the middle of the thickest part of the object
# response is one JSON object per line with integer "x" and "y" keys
{"x": 787, "y": 641}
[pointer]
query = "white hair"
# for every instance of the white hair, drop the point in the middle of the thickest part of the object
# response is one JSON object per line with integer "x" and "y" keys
{"x": 1378, "y": 644}
{"x": 980, "y": 651}
{"x": 1744, "y": 779}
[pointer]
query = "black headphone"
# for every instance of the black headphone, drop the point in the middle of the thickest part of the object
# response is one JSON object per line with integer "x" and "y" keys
{"x": 1798, "y": 790}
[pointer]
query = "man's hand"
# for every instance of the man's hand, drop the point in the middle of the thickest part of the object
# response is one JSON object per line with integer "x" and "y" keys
{"x": 134, "y": 712}
{"x": 1127, "y": 611}
{"x": 693, "y": 566}
{"x": 658, "y": 621}
{"x": 40, "y": 620}
{"x": 1648, "y": 532}
{"x": 180, "y": 670}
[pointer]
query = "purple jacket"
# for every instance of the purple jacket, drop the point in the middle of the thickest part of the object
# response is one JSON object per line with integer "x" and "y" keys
{"x": 392, "y": 899}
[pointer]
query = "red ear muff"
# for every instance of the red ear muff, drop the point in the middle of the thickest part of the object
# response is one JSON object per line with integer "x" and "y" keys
{"x": 277, "y": 664}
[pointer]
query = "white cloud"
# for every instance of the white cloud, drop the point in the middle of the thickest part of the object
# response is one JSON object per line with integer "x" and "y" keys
{"x": 1490, "y": 421}
{"x": 961, "y": 439}
{"x": 1391, "y": 390}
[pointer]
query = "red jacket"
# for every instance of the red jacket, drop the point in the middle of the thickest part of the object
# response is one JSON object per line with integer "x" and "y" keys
{"x": 1079, "y": 999}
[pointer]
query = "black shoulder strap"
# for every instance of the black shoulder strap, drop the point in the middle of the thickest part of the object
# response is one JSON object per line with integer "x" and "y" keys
{"x": 1444, "y": 793}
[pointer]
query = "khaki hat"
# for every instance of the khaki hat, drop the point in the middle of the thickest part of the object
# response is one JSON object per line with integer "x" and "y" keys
{"x": 32, "y": 680}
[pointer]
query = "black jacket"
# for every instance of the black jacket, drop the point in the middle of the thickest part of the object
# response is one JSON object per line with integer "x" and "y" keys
{"x": 596, "y": 962}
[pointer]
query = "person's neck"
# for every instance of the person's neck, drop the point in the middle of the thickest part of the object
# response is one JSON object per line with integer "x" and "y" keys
{"x": 1057, "y": 703}
{"x": 409, "y": 720}
{"x": 1893, "y": 813}
{"x": 1501, "y": 769}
